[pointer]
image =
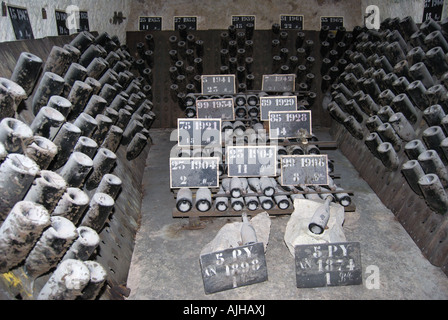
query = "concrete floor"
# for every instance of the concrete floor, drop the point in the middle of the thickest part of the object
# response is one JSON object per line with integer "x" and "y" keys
{"x": 165, "y": 263}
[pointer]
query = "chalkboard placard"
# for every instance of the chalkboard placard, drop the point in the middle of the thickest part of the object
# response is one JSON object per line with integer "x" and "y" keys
{"x": 233, "y": 268}
{"x": 332, "y": 22}
{"x": 83, "y": 21}
{"x": 199, "y": 132}
{"x": 289, "y": 124}
{"x": 216, "y": 108}
{"x": 150, "y": 23}
{"x": 61, "y": 23}
{"x": 304, "y": 169}
{"x": 291, "y": 22}
{"x": 190, "y": 22}
{"x": 20, "y": 23}
{"x": 276, "y": 103}
{"x": 194, "y": 172}
{"x": 218, "y": 84}
{"x": 251, "y": 161}
{"x": 328, "y": 264}
{"x": 240, "y": 22}
{"x": 433, "y": 9}
{"x": 278, "y": 83}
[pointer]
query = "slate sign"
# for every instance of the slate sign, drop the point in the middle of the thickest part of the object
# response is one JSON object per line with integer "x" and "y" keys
{"x": 216, "y": 108}
{"x": 251, "y": 161}
{"x": 149, "y": 23}
{"x": 328, "y": 264}
{"x": 21, "y": 23}
{"x": 278, "y": 83}
{"x": 276, "y": 103}
{"x": 199, "y": 132}
{"x": 61, "y": 23}
{"x": 194, "y": 172}
{"x": 291, "y": 22}
{"x": 83, "y": 21}
{"x": 189, "y": 22}
{"x": 233, "y": 268}
{"x": 289, "y": 124}
{"x": 304, "y": 169}
{"x": 433, "y": 9}
{"x": 240, "y": 22}
{"x": 332, "y": 22}
{"x": 218, "y": 84}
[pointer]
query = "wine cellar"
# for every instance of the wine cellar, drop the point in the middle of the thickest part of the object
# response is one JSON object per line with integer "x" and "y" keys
{"x": 287, "y": 152}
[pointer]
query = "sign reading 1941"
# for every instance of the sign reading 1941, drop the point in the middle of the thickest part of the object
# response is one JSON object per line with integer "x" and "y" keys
{"x": 276, "y": 103}
{"x": 218, "y": 84}
{"x": 278, "y": 83}
{"x": 304, "y": 169}
{"x": 328, "y": 264}
{"x": 289, "y": 124}
{"x": 233, "y": 268}
{"x": 194, "y": 172}
{"x": 251, "y": 161}
{"x": 199, "y": 132}
{"x": 216, "y": 108}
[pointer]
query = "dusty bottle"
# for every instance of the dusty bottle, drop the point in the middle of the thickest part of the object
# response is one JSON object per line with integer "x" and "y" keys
{"x": 320, "y": 217}
{"x": 248, "y": 233}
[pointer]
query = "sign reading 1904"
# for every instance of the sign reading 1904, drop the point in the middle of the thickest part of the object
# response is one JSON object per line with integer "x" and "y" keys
{"x": 194, "y": 172}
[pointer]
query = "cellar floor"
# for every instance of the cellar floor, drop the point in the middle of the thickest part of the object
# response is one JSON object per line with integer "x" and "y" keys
{"x": 165, "y": 263}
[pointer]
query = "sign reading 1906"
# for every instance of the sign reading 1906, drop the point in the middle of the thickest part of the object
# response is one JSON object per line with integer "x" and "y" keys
{"x": 304, "y": 169}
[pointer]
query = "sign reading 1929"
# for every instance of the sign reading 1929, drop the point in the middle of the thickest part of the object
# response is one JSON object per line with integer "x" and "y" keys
{"x": 289, "y": 124}
{"x": 216, "y": 108}
{"x": 199, "y": 132}
{"x": 328, "y": 264}
{"x": 251, "y": 161}
{"x": 278, "y": 83}
{"x": 276, "y": 103}
{"x": 233, "y": 268}
{"x": 218, "y": 84}
{"x": 304, "y": 169}
{"x": 194, "y": 172}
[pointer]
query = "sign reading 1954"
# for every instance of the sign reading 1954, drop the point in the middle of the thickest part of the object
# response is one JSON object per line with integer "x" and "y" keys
{"x": 216, "y": 108}
{"x": 199, "y": 132}
{"x": 218, "y": 84}
{"x": 304, "y": 169}
{"x": 251, "y": 161}
{"x": 276, "y": 103}
{"x": 289, "y": 124}
{"x": 194, "y": 172}
{"x": 278, "y": 83}
{"x": 328, "y": 264}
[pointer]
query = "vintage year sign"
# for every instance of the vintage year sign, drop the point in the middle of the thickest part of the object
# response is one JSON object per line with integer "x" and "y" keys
{"x": 198, "y": 132}
{"x": 276, "y": 103}
{"x": 328, "y": 264}
{"x": 218, "y": 84}
{"x": 194, "y": 172}
{"x": 304, "y": 169}
{"x": 223, "y": 109}
{"x": 251, "y": 161}
{"x": 289, "y": 124}
{"x": 233, "y": 268}
{"x": 278, "y": 83}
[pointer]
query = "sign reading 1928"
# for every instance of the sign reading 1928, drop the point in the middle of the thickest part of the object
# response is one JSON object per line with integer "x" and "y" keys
{"x": 304, "y": 169}
{"x": 218, "y": 84}
{"x": 240, "y": 22}
{"x": 216, "y": 108}
{"x": 276, "y": 103}
{"x": 328, "y": 264}
{"x": 149, "y": 23}
{"x": 199, "y": 132}
{"x": 289, "y": 124}
{"x": 194, "y": 172}
{"x": 278, "y": 83}
{"x": 251, "y": 161}
{"x": 233, "y": 268}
